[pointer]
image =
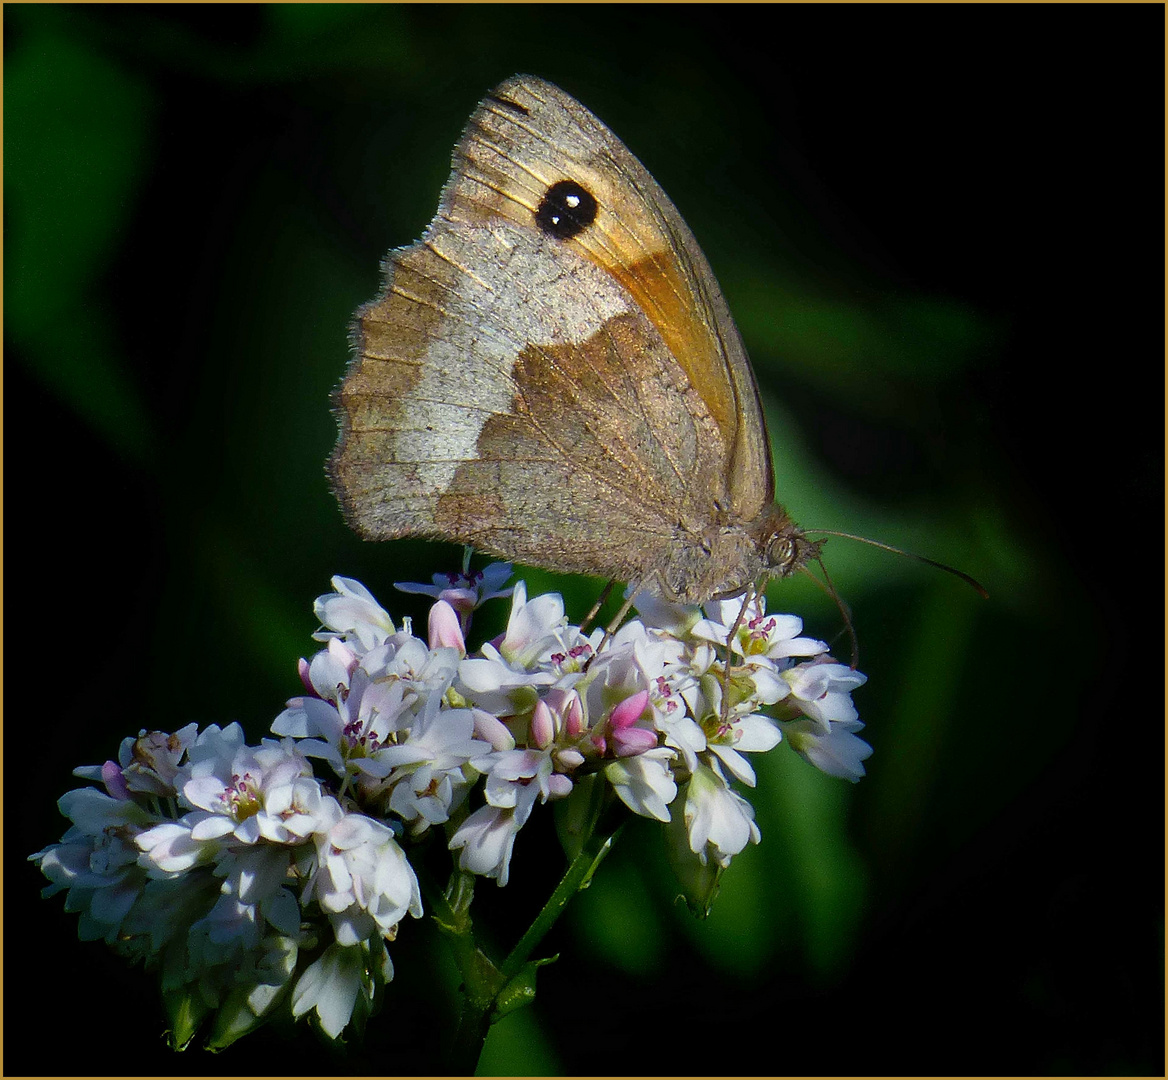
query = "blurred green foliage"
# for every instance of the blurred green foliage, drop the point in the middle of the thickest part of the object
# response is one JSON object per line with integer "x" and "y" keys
{"x": 196, "y": 202}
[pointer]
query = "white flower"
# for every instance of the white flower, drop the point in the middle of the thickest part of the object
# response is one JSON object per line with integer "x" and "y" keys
{"x": 539, "y": 650}
{"x": 633, "y": 660}
{"x": 259, "y": 877}
{"x": 617, "y": 690}
{"x": 330, "y": 670}
{"x": 719, "y": 820}
{"x": 228, "y": 931}
{"x": 677, "y": 620}
{"x": 516, "y": 780}
{"x": 96, "y": 860}
{"x": 532, "y": 627}
{"x": 224, "y": 898}
{"x": 759, "y": 635}
{"x": 487, "y": 837}
{"x": 500, "y": 688}
{"x": 838, "y": 753}
{"x": 363, "y": 882}
{"x": 517, "y": 776}
{"x": 352, "y": 613}
{"x": 766, "y": 644}
{"x": 425, "y": 671}
{"x": 146, "y": 764}
{"x": 424, "y": 796}
{"x": 822, "y": 691}
{"x": 330, "y": 986}
{"x": 349, "y": 730}
{"x": 671, "y": 695}
{"x": 441, "y": 737}
{"x": 644, "y": 783}
{"x": 685, "y": 735}
{"x": 751, "y": 734}
{"x": 429, "y": 774}
{"x": 264, "y": 792}
{"x": 221, "y": 927}
{"x": 213, "y": 750}
{"x": 464, "y": 591}
{"x": 170, "y": 848}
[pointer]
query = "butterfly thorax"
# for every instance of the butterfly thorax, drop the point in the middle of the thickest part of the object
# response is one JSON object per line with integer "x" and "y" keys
{"x": 730, "y": 556}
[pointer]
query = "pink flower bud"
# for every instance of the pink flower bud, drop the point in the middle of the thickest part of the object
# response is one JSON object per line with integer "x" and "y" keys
{"x": 566, "y": 707}
{"x": 628, "y": 742}
{"x": 559, "y": 786}
{"x": 628, "y": 712}
{"x": 444, "y": 628}
{"x": 567, "y": 760}
{"x": 114, "y": 780}
{"x": 492, "y": 730}
{"x": 302, "y": 667}
{"x": 543, "y": 726}
{"x": 574, "y": 717}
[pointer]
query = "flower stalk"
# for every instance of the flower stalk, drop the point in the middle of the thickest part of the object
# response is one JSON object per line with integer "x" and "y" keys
{"x": 490, "y": 991}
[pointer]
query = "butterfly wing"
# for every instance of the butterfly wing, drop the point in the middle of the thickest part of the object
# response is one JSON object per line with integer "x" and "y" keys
{"x": 526, "y": 136}
{"x": 576, "y": 398}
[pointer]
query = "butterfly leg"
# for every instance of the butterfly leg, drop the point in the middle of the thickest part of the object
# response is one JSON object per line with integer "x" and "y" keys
{"x": 604, "y": 594}
{"x": 653, "y": 580}
{"x": 614, "y": 623}
{"x": 751, "y": 595}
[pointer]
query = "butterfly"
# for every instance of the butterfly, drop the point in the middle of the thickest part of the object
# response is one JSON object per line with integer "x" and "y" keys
{"x": 552, "y": 375}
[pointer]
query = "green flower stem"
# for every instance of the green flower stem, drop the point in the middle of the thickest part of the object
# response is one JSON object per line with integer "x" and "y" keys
{"x": 578, "y": 876}
{"x": 481, "y": 980}
{"x": 489, "y": 991}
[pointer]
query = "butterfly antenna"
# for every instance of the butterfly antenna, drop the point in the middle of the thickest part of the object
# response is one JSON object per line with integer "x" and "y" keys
{"x": 973, "y": 582}
{"x": 844, "y": 610}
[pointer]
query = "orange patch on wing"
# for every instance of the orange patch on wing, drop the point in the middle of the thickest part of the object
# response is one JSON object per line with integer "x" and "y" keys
{"x": 658, "y": 288}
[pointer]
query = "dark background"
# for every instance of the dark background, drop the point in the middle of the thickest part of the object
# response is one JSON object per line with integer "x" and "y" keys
{"x": 941, "y": 232}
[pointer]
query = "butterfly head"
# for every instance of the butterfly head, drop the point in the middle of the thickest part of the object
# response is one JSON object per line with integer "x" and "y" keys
{"x": 789, "y": 551}
{"x": 783, "y": 545}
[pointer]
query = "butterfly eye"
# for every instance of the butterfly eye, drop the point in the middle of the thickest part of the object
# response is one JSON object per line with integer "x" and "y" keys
{"x": 782, "y": 553}
{"x": 566, "y": 210}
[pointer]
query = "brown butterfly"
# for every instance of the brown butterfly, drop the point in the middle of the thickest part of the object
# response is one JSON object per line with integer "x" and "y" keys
{"x": 552, "y": 374}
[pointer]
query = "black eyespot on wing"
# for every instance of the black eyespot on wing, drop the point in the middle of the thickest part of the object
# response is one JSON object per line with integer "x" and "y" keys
{"x": 566, "y": 210}
{"x": 507, "y": 103}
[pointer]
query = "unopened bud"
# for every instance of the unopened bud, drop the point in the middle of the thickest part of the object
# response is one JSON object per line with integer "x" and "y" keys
{"x": 543, "y": 725}
{"x": 445, "y": 629}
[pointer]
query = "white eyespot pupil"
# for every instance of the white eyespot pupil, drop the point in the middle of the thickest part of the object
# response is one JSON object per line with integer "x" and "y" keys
{"x": 573, "y": 201}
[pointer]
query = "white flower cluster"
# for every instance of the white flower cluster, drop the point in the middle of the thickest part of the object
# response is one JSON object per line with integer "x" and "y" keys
{"x": 200, "y": 858}
{"x": 246, "y": 879}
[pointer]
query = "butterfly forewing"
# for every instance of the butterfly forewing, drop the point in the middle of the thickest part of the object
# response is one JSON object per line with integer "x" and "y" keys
{"x": 551, "y": 373}
{"x": 529, "y": 135}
